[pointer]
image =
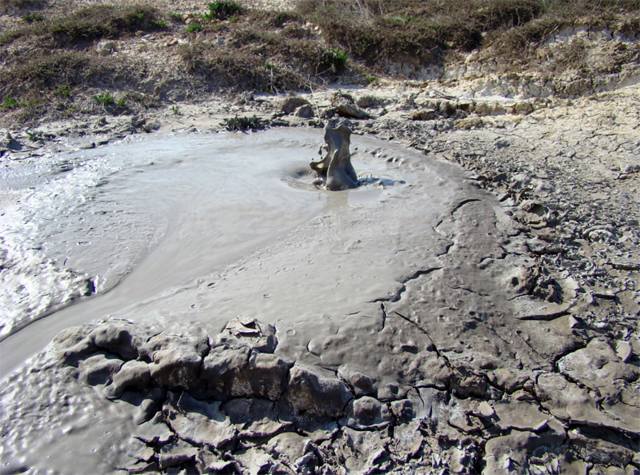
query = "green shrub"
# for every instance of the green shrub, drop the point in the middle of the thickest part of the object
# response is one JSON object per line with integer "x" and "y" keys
{"x": 336, "y": 58}
{"x": 194, "y": 28}
{"x": 243, "y": 123}
{"x": 63, "y": 90}
{"x": 33, "y": 17}
{"x": 104, "y": 21}
{"x": 104, "y": 99}
{"x": 222, "y": 9}
{"x": 9, "y": 103}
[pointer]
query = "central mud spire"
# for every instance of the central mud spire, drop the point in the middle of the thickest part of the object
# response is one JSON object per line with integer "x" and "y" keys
{"x": 335, "y": 171}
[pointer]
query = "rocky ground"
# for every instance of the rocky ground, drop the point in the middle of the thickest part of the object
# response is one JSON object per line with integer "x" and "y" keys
{"x": 522, "y": 360}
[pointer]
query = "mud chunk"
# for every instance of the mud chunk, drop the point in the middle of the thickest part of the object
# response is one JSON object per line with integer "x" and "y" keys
{"x": 366, "y": 413}
{"x": 154, "y": 432}
{"x": 221, "y": 368}
{"x": 176, "y": 359}
{"x": 175, "y": 368}
{"x": 597, "y": 366}
{"x": 115, "y": 338}
{"x": 177, "y": 455}
{"x": 402, "y": 409}
{"x": 256, "y": 417}
{"x": 133, "y": 375}
{"x": 151, "y": 404}
{"x": 99, "y": 369}
{"x": 313, "y": 394}
{"x": 509, "y": 453}
{"x": 361, "y": 384}
{"x": 252, "y": 333}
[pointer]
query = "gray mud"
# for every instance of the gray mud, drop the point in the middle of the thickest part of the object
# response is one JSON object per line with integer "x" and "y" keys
{"x": 398, "y": 327}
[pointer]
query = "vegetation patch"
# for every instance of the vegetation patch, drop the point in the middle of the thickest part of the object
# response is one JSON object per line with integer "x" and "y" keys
{"x": 14, "y": 7}
{"x": 243, "y": 123}
{"x": 375, "y": 30}
{"x": 222, "y": 10}
{"x": 89, "y": 23}
{"x": 104, "y": 21}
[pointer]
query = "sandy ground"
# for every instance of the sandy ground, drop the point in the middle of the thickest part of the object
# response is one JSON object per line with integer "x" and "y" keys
{"x": 479, "y": 313}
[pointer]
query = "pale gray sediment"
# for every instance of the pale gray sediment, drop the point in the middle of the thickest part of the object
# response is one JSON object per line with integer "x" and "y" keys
{"x": 401, "y": 328}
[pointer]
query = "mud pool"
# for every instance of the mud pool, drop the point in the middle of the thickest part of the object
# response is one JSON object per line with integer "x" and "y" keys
{"x": 174, "y": 226}
{"x": 175, "y": 236}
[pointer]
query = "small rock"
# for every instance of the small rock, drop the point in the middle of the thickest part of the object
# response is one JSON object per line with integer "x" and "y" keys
{"x": 624, "y": 350}
{"x": 486, "y": 410}
{"x": 305, "y": 112}
{"x": 291, "y": 104}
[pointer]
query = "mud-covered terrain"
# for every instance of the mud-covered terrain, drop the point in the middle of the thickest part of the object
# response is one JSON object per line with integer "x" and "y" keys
{"x": 472, "y": 308}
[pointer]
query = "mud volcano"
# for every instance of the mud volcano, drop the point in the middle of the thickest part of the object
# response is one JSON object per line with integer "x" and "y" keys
{"x": 272, "y": 327}
{"x": 335, "y": 171}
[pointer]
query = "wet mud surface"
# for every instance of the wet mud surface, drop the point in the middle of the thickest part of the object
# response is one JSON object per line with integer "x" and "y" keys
{"x": 407, "y": 326}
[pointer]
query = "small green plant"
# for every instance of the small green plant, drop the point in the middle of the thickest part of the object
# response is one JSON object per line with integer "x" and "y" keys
{"x": 63, "y": 90}
{"x": 33, "y": 17}
{"x": 194, "y": 28}
{"x": 336, "y": 59}
{"x": 121, "y": 102}
{"x": 176, "y": 17}
{"x": 222, "y": 9}
{"x": 9, "y": 103}
{"x": 243, "y": 123}
{"x": 175, "y": 110}
{"x": 104, "y": 99}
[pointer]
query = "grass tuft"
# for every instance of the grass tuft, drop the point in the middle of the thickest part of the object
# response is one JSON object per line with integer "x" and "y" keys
{"x": 222, "y": 10}
{"x": 243, "y": 123}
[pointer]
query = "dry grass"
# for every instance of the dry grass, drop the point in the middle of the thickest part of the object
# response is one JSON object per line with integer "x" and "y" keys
{"x": 91, "y": 23}
{"x": 375, "y": 30}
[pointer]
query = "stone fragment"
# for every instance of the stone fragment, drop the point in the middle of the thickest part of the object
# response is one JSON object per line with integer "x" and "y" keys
{"x": 290, "y": 104}
{"x": 311, "y": 394}
{"x": 116, "y": 337}
{"x": 305, "y": 112}
{"x": 486, "y": 410}
{"x": 345, "y": 106}
{"x": 624, "y": 350}
{"x": 133, "y": 375}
